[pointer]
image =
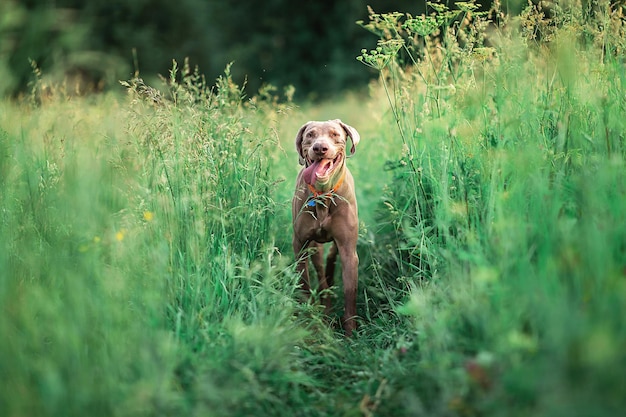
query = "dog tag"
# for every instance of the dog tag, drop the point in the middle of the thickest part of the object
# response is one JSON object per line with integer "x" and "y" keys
{"x": 311, "y": 203}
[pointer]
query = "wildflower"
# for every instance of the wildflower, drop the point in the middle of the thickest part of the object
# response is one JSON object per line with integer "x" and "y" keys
{"x": 148, "y": 216}
{"x": 120, "y": 235}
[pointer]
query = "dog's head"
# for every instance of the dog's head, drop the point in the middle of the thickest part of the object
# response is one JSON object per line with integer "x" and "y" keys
{"x": 322, "y": 148}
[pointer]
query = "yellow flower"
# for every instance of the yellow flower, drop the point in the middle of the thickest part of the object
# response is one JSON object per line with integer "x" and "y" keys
{"x": 148, "y": 216}
{"x": 120, "y": 235}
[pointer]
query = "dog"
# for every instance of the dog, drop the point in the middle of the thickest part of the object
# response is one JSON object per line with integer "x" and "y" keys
{"x": 324, "y": 209}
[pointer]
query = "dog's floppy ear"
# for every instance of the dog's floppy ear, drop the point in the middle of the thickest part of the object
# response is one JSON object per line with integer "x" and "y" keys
{"x": 302, "y": 159}
{"x": 354, "y": 135}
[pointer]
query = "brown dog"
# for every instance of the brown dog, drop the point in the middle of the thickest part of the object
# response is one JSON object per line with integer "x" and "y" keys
{"x": 324, "y": 210}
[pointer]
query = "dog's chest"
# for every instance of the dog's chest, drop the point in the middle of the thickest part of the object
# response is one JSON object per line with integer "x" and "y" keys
{"x": 319, "y": 223}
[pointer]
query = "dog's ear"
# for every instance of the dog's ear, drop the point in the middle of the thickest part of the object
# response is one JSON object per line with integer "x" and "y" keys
{"x": 354, "y": 135}
{"x": 301, "y": 159}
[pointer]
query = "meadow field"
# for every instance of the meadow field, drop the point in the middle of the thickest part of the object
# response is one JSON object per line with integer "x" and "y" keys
{"x": 145, "y": 239}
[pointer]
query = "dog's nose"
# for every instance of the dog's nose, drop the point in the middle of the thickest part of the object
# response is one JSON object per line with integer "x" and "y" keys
{"x": 320, "y": 148}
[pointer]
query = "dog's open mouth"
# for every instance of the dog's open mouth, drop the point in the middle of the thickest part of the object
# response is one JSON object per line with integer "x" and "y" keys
{"x": 321, "y": 169}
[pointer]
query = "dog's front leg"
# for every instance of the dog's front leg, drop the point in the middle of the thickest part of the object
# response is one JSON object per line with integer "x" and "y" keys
{"x": 302, "y": 267}
{"x": 350, "y": 266}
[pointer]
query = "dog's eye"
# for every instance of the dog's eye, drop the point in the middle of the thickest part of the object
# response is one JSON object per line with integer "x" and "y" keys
{"x": 334, "y": 135}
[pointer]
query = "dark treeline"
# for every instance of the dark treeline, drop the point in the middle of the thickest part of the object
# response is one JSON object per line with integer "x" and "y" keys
{"x": 309, "y": 44}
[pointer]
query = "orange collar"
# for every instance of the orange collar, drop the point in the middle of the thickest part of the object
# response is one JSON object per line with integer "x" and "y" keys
{"x": 317, "y": 193}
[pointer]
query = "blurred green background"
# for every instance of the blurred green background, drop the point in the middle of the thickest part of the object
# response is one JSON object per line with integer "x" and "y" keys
{"x": 92, "y": 44}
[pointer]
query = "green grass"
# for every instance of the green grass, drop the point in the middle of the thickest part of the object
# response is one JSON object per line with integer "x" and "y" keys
{"x": 145, "y": 242}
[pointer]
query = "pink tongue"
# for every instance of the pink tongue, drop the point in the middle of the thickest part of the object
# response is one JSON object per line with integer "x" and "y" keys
{"x": 310, "y": 172}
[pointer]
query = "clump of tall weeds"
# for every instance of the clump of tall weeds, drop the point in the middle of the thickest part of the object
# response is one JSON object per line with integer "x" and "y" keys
{"x": 511, "y": 171}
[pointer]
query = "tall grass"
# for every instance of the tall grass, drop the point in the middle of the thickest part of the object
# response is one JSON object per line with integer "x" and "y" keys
{"x": 139, "y": 270}
{"x": 508, "y": 205}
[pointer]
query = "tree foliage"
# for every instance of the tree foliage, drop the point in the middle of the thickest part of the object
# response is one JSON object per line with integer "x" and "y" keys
{"x": 311, "y": 45}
